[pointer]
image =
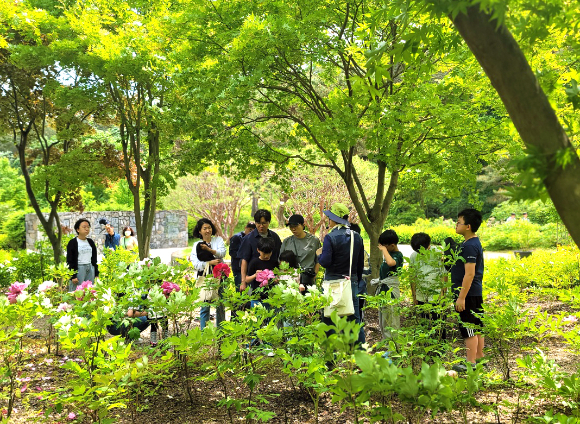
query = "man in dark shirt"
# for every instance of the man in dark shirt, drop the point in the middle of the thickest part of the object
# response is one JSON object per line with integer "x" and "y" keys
{"x": 248, "y": 248}
{"x": 467, "y": 284}
{"x": 235, "y": 243}
{"x": 112, "y": 240}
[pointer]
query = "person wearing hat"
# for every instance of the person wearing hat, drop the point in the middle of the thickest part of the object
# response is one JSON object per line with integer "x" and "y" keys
{"x": 335, "y": 253}
{"x": 304, "y": 245}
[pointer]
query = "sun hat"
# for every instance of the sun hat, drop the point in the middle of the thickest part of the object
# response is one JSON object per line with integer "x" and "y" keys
{"x": 336, "y": 213}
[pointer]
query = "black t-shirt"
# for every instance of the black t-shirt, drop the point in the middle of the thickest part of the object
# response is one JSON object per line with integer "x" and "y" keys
{"x": 258, "y": 264}
{"x": 472, "y": 252}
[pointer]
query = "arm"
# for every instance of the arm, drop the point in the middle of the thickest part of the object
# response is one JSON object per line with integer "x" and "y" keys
{"x": 197, "y": 264}
{"x": 387, "y": 256}
{"x": 244, "y": 270}
{"x": 133, "y": 313}
{"x": 235, "y": 242}
{"x": 94, "y": 256}
{"x": 325, "y": 257}
{"x": 361, "y": 260}
{"x": 465, "y": 286}
{"x": 220, "y": 247}
{"x": 72, "y": 258}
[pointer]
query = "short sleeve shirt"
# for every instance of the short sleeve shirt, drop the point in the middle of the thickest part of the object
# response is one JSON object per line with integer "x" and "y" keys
{"x": 471, "y": 252}
{"x": 85, "y": 252}
{"x": 304, "y": 249}
{"x": 258, "y": 264}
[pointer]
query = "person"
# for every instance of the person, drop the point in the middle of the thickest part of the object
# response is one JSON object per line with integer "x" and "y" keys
{"x": 111, "y": 238}
{"x": 428, "y": 274}
{"x": 235, "y": 242}
{"x": 249, "y": 248}
{"x": 304, "y": 245}
{"x": 334, "y": 255}
{"x": 362, "y": 287}
{"x": 81, "y": 255}
{"x": 128, "y": 241}
{"x": 525, "y": 216}
{"x": 467, "y": 285}
{"x": 208, "y": 251}
{"x": 389, "y": 317}
{"x": 511, "y": 218}
{"x": 265, "y": 261}
{"x": 139, "y": 321}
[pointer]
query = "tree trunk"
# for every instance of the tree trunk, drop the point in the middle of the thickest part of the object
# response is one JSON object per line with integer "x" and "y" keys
{"x": 511, "y": 75}
{"x": 255, "y": 199}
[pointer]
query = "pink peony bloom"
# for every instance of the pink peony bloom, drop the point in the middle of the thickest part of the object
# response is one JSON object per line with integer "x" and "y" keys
{"x": 72, "y": 416}
{"x": 263, "y": 277}
{"x": 46, "y": 286}
{"x": 15, "y": 290}
{"x": 221, "y": 270}
{"x": 169, "y": 287}
{"x": 570, "y": 319}
{"x": 85, "y": 285}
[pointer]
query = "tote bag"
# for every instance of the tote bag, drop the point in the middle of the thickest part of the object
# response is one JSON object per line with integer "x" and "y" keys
{"x": 206, "y": 294}
{"x": 340, "y": 291}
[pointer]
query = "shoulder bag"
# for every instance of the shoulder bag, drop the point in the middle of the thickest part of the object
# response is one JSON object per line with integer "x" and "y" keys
{"x": 340, "y": 291}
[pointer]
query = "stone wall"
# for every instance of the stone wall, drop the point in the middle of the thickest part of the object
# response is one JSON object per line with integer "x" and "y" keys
{"x": 169, "y": 228}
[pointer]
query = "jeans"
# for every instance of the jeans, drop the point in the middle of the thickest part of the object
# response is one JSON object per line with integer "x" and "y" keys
{"x": 220, "y": 312}
{"x": 362, "y": 290}
{"x": 86, "y": 272}
{"x": 389, "y": 316}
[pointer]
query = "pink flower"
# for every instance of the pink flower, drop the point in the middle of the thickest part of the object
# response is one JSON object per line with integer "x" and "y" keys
{"x": 23, "y": 388}
{"x": 46, "y": 286}
{"x": 221, "y": 270}
{"x": 169, "y": 287}
{"x": 63, "y": 307}
{"x": 452, "y": 373}
{"x": 570, "y": 319}
{"x": 72, "y": 416}
{"x": 263, "y": 277}
{"x": 85, "y": 285}
{"x": 15, "y": 290}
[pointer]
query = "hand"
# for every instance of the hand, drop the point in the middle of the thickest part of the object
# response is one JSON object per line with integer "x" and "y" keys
{"x": 460, "y": 305}
{"x": 75, "y": 280}
{"x": 205, "y": 247}
{"x": 243, "y": 286}
{"x": 214, "y": 262}
{"x": 319, "y": 251}
{"x": 301, "y": 287}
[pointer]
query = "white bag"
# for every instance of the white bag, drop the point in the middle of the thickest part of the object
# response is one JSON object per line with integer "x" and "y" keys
{"x": 340, "y": 291}
{"x": 206, "y": 294}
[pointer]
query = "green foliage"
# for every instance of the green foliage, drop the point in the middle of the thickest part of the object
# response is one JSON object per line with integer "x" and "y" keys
{"x": 437, "y": 229}
{"x": 14, "y": 227}
{"x": 538, "y": 212}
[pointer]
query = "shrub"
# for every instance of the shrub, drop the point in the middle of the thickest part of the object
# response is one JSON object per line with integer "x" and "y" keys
{"x": 522, "y": 235}
{"x": 14, "y": 228}
{"x": 438, "y": 230}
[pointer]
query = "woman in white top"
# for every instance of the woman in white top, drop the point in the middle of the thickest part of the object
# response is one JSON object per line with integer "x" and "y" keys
{"x": 208, "y": 251}
{"x": 128, "y": 240}
{"x": 81, "y": 255}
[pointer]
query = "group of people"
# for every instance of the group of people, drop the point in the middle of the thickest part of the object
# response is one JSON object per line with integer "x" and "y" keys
{"x": 342, "y": 254}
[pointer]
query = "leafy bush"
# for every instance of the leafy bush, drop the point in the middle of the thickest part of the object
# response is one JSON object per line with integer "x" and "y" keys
{"x": 538, "y": 211}
{"x": 523, "y": 235}
{"x": 14, "y": 228}
{"x": 437, "y": 229}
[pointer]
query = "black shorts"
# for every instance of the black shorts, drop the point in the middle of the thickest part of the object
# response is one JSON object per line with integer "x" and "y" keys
{"x": 469, "y": 319}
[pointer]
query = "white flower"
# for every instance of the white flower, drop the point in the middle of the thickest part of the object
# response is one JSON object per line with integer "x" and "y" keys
{"x": 452, "y": 373}
{"x": 63, "y": 307}
{"x": 46, "y": 303}
{"x": 46, "y": 285}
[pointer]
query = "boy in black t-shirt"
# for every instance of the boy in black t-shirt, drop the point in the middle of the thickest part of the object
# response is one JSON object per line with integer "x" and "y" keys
{"x": 467, "y": 279}
{"x": 265, "y": 261}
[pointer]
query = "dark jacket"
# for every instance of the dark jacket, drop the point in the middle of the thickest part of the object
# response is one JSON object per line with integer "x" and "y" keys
{"x": 112, "y": 241}
{"x": 72, "y": 256}
{"x": 235, "y": 243}
{"x": 249, "y": 248}
{"x": 336, "y": 253}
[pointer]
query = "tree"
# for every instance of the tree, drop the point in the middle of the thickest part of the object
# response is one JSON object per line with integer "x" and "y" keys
{"x": 553, "y": 158}
{"x": 290, "y": 83}
{"x": 45, "y": 107}
{"x": 128, "y": 50}
{"x": 209, "y": 195}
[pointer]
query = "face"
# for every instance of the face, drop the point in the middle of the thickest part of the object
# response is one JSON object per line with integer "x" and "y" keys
{"x": 297, "y": 230}
{"x": 263, "y": 225}
{"x": 206, "y": 231}
{"x": 265, "y": 256}
{"x": 84, "y": 229}
{"x": 248, "y": 230}
{"x": 109, "y": 228}
{"x": 460, "y": 227}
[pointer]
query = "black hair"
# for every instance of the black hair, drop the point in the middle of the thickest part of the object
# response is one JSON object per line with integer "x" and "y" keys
{"x": 79, "y": 222}
{"x": 266, "y": 245}
{"x": 355, "y": 227}
{"x": 197, "y": 229}
{"x": 420, "y": 240}
{"x": 290, "y": 257}
{"x": 130, "y": 229}
{"x": 471, "y": 217}
{"x": 251, "y": 225}
{"x": 388, "y": 237}
{"x": 262, "y": 213}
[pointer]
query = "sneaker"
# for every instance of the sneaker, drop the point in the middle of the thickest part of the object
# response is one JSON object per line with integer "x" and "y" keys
{"x": 461, "y": 368}
{"x": 153, "y": 339}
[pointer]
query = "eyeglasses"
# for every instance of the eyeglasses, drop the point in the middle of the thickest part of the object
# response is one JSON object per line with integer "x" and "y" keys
{"x": 261, "y": 224}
